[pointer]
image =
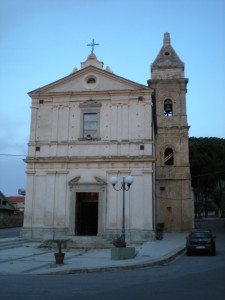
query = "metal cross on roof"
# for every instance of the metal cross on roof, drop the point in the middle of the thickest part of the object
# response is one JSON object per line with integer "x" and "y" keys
{"x": 93, "y": 44}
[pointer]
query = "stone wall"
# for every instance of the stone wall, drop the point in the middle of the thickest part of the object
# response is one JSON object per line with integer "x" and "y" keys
{"x": 10, "y": 220}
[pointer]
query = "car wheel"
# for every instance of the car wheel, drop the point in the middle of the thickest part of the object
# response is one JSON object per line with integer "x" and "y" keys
{"x": 214, "y": 252}
{"x": 188, "y": 253}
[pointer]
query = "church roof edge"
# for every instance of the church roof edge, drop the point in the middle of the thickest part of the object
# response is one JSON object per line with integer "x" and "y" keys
{"x": 79, "y": 72}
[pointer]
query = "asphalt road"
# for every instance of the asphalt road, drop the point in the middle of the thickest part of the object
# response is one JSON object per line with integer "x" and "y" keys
{"x": 195, "y": 277}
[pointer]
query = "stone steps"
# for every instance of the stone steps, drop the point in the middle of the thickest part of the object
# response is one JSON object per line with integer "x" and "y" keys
{"x": 89, "y": 242}
{"x": 76, "y": 242}
{"x": 10, "y": 243}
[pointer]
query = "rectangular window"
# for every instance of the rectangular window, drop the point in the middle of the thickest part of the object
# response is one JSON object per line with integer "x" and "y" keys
{"x": 90, "y": 125}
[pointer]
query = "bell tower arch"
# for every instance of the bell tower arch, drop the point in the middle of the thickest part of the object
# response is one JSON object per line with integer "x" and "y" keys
{"x": 173, "y": 180}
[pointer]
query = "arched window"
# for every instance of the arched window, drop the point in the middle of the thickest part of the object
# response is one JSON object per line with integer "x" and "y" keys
{"x": 91, "y": 80}
{"x": 168, "y": 158}
{"x": 168, "y": 108}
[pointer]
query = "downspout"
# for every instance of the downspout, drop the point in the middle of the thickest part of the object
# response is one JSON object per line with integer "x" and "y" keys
{"x": 153, "y": 182}
{"x": 154, "y": 131}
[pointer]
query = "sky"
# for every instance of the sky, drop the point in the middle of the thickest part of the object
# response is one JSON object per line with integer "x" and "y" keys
{"x": 42, "y": 41}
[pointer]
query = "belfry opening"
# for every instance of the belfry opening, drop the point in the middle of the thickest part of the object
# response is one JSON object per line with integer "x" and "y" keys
{"x": 86, "y": 213}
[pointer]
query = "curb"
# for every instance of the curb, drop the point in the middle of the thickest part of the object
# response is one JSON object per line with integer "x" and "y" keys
{"x": 164, "y": 260}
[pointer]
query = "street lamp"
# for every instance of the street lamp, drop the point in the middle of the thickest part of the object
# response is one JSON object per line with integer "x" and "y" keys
{"x": 126, "y": 182}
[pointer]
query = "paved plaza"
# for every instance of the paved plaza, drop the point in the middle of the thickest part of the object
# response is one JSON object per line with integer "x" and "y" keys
{"x": 28, "y": 258}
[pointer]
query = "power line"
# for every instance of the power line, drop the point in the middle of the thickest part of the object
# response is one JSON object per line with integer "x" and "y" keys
{"x": 6, "y": 154}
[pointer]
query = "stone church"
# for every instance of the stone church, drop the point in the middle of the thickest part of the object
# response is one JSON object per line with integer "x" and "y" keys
{"x": 92, "y": 125}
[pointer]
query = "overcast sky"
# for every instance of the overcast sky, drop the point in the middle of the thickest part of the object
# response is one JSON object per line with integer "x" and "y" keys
{"x": 43, "y": 40}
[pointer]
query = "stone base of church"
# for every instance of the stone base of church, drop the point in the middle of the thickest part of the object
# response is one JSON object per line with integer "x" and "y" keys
{"x": 41, "y": 234}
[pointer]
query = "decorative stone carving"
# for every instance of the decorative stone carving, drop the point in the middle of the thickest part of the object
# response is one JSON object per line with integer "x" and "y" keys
{"x": 74, "y": 181}
{"x": 99, "y": 180}
{"x": 90, "y": 103}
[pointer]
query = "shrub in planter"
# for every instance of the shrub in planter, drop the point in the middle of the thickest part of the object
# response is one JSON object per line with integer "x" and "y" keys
{"x": 159, "y": 231}
{"x": 119, "y": 243}
{"x": 59, "y": 256}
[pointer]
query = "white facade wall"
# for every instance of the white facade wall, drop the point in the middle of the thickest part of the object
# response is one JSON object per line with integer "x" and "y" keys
{"x": 58, "y": 129}
{"x": 61, "y": 163}
{"x": 51, "y": 204}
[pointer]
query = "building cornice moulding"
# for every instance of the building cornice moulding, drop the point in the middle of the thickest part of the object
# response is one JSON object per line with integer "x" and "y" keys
{"x": 109, "y": 94}
{"x": 93, "y": 159}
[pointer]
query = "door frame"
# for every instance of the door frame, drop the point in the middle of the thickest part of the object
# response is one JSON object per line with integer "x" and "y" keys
{"x": 98, "y": 186}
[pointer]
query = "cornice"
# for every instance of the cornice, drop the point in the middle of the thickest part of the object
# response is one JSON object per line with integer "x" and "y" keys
{"x": 90, "y": 142}
{"x": 93, "y": 159}
{"x": 166, "y": 81}
{"x": 108, "y": 93}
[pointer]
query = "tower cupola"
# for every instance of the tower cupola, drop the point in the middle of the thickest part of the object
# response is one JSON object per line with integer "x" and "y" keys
{"x": 167, "y": 64}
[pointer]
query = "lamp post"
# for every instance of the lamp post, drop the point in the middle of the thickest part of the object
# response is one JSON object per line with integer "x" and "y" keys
{"x": 125, "y": 186}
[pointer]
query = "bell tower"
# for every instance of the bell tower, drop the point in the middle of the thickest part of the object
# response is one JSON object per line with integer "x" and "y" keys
{"x": 173, "y": 180}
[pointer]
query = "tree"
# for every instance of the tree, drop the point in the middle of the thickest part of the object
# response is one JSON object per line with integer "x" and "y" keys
{"x": 207, "y": 166}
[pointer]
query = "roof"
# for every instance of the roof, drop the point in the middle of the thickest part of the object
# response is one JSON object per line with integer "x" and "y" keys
{"x": 167, "y": 57}
{"x": 7, "y": 206}
{"x": 16, "y": 199}
{"x": 167, "y": 64}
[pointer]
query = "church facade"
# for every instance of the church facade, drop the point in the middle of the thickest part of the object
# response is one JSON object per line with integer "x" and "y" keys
{"x": 92, "y": 125}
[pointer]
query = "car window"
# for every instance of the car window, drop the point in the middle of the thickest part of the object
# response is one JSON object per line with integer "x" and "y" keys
{"x": 197, "y": 235}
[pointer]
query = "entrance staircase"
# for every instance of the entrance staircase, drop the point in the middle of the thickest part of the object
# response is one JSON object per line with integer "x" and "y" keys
{"x": 89, "y": 242}
{"x": 76, "y": 242}
{"x": 9, "y": 243}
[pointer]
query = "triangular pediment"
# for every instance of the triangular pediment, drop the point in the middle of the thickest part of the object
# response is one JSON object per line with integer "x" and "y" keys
{"x": 89, "y": 79}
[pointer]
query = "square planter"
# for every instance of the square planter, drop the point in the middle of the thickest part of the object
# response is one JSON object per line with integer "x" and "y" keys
{"x": 122, "y": 253}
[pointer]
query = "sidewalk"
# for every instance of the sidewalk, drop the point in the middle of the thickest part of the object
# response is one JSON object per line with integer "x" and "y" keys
{"x": 29, "y": 259}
